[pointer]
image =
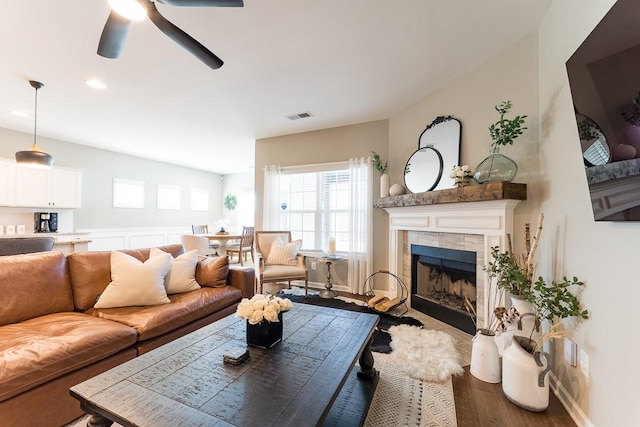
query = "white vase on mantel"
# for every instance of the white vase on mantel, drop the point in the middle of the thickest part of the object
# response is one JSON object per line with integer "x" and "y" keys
{"x": 384, "y": 185}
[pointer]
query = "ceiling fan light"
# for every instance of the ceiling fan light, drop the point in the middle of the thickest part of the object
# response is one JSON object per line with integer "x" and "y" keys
{"x": 34, "y": 158}
{"x": 130, "y": 9}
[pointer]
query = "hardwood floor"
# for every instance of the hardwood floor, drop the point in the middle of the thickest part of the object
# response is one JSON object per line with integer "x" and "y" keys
{"x": 480, "y": 404}
{"x": 483, "y": 404}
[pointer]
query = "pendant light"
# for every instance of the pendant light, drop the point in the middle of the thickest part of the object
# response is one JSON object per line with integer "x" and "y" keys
{"x": 34, "y": 157}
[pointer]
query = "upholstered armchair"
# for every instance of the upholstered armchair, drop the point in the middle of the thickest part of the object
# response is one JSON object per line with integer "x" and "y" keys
{"x": 279, "y": 260}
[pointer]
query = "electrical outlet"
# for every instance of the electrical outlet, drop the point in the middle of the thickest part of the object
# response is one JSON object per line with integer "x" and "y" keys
{"x": 570, "y": 350}
{"x": 313, "y": 265}
{"x": 583, "y": 361}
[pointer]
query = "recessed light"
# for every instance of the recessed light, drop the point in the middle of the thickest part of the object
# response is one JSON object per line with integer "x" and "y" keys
{"x": 96, "y": 84}
{"x": 19, "y": 113}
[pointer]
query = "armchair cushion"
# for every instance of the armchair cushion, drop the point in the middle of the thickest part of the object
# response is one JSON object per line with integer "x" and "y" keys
{"x": 283, "y": 254}
{"x": 282, "y": 272}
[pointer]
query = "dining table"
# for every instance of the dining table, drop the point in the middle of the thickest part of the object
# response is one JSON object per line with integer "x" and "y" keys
{"x": 222, "y": 240}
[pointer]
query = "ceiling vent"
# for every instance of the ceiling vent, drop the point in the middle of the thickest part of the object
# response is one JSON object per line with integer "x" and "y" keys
{"x": 299, "y": 116}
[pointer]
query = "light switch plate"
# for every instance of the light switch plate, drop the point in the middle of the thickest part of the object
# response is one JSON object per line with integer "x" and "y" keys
{"x": 570, "y": 352}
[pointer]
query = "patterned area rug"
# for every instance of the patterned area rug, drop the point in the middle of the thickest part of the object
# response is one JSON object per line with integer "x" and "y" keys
{"x": 403, "y": 401}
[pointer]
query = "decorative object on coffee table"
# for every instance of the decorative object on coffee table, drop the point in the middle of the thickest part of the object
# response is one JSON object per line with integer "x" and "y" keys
{"x": 264, "y": 319}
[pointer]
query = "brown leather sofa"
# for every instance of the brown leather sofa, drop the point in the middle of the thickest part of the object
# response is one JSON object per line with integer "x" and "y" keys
{"x": 52, "y": 338}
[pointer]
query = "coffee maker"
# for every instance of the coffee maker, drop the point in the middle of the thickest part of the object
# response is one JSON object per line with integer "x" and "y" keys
{"x": 45, "y": 222}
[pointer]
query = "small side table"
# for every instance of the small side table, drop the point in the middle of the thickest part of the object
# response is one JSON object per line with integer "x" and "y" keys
{"x": 328, "y": 260}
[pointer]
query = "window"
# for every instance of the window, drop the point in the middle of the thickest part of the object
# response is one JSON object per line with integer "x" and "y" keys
{"x": 316, "y": 206}
{"x": 128, "y": 193}
{"x": 169, "y": 196}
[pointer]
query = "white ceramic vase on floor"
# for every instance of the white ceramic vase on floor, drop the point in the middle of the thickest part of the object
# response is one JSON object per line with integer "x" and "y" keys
{"x": 525, "y": 379}
{"x": 485, "y": 358}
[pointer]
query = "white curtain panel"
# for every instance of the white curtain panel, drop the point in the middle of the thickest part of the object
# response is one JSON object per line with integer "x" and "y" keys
{"x": 361, "y": 224}
{"x": 271, "y": 200}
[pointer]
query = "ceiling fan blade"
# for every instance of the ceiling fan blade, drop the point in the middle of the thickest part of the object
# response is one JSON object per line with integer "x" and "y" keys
{"x": 113, "y": 36}
{"x": 203, "y": 3}
{"x": 183, "y": 39}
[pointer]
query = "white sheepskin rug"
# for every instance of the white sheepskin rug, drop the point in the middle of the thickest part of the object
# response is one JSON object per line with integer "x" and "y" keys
{"x": 425, "y": 355}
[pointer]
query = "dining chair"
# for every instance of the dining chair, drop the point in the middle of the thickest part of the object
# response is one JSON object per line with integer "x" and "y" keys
{"x": 285, "y": 263}
{"x": 245, "y": 246}
{"x": 204, "y": 229}
{"x": 200, "y": 229}
{"x": 200, "y": 243}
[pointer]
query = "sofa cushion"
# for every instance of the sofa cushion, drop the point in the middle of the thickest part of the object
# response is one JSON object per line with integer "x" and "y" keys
{"x": 33, "y": 285}
{"x": 213, "y": 272}
{"x": 153, "y": 321}
{"x": 38, "y": 350}
{"x": 182, "y": 272}
{"x": 134, "y": 282}
{"x": 91, "y": 272}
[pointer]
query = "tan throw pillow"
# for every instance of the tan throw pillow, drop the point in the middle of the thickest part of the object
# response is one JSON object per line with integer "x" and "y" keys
{"x": 182, "y": 274}
{"x": 134, "y": 282}
{"x": 281, "y": 254}
{"x": 212, "y": 272}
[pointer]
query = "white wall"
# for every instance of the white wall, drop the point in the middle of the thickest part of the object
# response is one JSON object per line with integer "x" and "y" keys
{"x": 603, "y": 254}
{"x": 101, "y": 166}
{"x": 240, "y": 185}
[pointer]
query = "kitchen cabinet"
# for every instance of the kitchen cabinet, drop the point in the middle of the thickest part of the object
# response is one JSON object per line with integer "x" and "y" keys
{"x": 47, "y": 188}
{"x": 8, "y": 180}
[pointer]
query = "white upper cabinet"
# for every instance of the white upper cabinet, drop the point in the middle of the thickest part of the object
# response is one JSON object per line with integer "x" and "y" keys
{"x": 7, "y": 182}
{"x": 66, "y": 188}
{"x": 46, "y": 188}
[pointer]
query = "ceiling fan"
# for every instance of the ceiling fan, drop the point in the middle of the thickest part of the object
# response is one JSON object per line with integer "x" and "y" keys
{"x": 124, "y": 11}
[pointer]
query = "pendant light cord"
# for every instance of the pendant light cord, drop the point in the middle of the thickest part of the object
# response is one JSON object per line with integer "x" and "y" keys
{"x": 35, "y": 119}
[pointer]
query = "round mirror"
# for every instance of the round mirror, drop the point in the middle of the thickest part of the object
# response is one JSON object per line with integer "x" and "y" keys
{"x": 595, "y": 149}
{"x": 442, "y": 139}
{"x": 423, "y": 170}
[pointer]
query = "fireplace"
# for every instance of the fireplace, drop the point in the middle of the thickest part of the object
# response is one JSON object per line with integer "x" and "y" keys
{"x": 473, "y": 218}
{"x": 442, "y": 280}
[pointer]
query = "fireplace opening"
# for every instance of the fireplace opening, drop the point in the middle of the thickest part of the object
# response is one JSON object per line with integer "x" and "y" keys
{"x": 441, "y": 278}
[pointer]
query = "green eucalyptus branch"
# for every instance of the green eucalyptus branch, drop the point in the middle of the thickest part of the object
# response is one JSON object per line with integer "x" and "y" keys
{"x": 377, "y": 163}
{"x": 505, "y": 131}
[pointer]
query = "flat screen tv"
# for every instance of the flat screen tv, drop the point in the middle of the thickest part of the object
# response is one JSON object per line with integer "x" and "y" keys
{"x": 604, "y": 76}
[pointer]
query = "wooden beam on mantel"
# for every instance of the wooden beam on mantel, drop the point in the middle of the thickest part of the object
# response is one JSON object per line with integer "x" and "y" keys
{"x": 469, "y": 193}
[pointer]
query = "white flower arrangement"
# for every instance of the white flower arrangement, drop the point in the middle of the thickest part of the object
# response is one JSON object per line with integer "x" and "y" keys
{"x": 262, "y": 307}
{"x": 463, "y": 171}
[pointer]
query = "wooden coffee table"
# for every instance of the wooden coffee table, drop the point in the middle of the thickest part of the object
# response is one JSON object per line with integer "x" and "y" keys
{"x": 308, "y": 379}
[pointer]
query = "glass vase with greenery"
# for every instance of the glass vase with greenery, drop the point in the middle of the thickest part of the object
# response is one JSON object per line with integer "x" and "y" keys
{"x": 498, "y": 167}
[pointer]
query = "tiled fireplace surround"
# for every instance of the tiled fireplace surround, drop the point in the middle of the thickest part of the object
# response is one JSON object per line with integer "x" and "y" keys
{"x": 473, "y": 226}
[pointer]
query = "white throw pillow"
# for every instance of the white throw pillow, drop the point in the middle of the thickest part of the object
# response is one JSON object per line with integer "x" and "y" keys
{"x": 281, "y": 254}
{"x": 134, "y": 282}
{"x": 182, "y": 274}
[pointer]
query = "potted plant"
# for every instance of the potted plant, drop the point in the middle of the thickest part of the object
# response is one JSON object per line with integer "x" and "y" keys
{"x": 498, "y": 167}
{"x": 264, "y": 318}
{"x": 384, "y": 177}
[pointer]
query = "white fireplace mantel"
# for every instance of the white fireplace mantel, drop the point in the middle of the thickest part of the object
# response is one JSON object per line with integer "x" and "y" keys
{"x": 492, "y": 219}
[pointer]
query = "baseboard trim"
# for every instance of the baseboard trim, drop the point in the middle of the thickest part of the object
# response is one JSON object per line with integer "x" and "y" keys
{"x": 575, "y": 412}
